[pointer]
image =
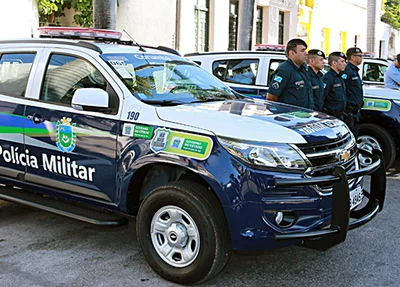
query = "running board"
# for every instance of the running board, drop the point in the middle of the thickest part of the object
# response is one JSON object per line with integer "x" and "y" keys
{"x": 61, "y": 207}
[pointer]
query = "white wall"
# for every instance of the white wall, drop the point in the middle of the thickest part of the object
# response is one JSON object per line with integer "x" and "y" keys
{"x": 219, "y": 25}
{"x": 18, "y": 19}
{"x": 339, "y": 15}
{"x": 149, "y": 22}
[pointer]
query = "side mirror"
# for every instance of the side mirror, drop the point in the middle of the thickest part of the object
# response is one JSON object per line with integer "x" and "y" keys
{"x": 90, "y": 99}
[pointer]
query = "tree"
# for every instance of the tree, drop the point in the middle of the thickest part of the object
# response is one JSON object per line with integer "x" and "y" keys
{"x": 105, "y": 14}
{"x": 51, "y": 10}
{"x": 392, "y": 13}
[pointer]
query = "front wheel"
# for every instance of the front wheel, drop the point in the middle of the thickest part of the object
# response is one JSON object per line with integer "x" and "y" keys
{"x": 374, "y": 136}
{"x": 183, "y": 232}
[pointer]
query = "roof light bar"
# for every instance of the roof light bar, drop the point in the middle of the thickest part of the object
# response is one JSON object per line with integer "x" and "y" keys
{"x": 78, "y": 33}
{"x": 269, "y": 47}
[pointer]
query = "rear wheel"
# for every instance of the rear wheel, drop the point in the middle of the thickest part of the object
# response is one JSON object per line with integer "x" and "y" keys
{"x": 183, "y": 233}
{"x": 374, "y": 136}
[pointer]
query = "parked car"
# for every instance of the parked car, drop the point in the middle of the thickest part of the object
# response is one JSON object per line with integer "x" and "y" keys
{"x": 249, "y": 73}
{"x": 102, "y": 131}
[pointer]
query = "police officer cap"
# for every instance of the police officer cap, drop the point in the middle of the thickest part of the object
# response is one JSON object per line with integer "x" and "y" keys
{"x": 398, "y": 58}
{"x": 316, "y": 52}
{"x": 338, "y": 54}
{"x": 354, "y": 50}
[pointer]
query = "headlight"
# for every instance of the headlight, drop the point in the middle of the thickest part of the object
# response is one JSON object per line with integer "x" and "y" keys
{"x": 265, "y": 155}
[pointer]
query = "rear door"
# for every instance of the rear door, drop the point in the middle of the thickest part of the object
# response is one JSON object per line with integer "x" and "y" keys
{"x": 76, "y": 149}
{"x": 17, "y": 67}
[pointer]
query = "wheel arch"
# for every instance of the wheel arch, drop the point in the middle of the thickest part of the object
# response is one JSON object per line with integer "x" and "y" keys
{"x": 140, "y": 183}
{"x": 392, "y": 126}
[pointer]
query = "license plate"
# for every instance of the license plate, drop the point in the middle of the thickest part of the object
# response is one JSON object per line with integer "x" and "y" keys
{"x": 356, "y": 197}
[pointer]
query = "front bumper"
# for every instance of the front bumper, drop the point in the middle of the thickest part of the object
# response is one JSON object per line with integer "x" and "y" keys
{"x": 341, "y": 213}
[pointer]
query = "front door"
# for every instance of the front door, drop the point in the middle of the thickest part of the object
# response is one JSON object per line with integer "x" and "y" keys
{"x": 76, "y": 149}
{"x": 15, "y": 67}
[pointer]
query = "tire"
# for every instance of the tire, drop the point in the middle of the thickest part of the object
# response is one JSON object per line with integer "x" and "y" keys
{"x": 191, "y": 207}
{"x": 379, "y": 137}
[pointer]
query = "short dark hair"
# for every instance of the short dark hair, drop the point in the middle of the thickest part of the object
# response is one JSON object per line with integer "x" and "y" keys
{"x": 292, "y": 45}
{"x": 335, "y": 56}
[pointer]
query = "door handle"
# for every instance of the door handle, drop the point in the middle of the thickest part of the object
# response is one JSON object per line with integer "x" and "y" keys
{"x": 36, "y": 118}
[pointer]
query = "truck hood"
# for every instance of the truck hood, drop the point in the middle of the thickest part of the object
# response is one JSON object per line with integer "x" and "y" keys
{"x": 256, "y": 120}
{"x": 381, "y": 92}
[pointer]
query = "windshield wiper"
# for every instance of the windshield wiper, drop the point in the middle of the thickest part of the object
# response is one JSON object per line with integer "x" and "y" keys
{"x": 208, "y": 100}
{"x": 179, "y": 102}
{"x": 164, "y": 102}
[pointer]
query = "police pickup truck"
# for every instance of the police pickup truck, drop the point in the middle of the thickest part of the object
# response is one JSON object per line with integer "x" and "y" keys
{"x": 104, "y": 130}
{"x": 249, "y": 73}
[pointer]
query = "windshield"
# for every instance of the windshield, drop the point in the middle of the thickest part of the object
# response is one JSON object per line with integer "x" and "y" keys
{"x": 166, "y": 78}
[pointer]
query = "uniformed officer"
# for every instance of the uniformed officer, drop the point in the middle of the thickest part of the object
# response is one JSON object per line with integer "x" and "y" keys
{"x": 392, "y": 74}
{"x": 315, "y": 65}
{"x": 290, "y": 83}
{"x": 334, "y": 86}
{"x": 354, "y": 90}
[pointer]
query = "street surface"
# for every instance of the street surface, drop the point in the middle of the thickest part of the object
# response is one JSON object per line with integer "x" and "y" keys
{"x": 41, "y": 249}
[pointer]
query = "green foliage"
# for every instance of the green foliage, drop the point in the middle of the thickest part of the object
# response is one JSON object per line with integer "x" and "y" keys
{"x": 392, "y": 13}
{"x": 51, "y": 10}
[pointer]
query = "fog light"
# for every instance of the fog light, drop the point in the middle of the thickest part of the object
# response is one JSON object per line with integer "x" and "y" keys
{"x": 279, "y": 217}
{"x": 285, "y": 218}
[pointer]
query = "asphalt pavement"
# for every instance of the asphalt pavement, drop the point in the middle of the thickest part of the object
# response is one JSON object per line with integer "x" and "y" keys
{"x": 41, "y": 249}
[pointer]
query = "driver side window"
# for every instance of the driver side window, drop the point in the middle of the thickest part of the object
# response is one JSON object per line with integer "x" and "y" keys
{"x": 65, "y": 74}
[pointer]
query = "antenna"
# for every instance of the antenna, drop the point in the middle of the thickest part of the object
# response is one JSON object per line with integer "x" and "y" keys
{"x": 140, "y": 47}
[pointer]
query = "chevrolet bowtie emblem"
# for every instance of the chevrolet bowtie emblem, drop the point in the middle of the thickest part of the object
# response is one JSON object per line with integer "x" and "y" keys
{"x": 343, "y": 155}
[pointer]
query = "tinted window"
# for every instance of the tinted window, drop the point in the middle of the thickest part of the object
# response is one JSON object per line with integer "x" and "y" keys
{"x": 65, "y": 74}
{"x": 273, "y": 65}
{"x": 14, "y": 73}
{"x": 374, "y": 72}
{"x": 239, "y": 71}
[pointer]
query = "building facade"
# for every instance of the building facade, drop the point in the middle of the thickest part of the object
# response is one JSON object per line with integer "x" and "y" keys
{"x": 27, "y": 23}
{"x": 333, "y": 25}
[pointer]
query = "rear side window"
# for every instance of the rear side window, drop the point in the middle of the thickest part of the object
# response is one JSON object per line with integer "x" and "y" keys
{"x": 374, "y": 72}
{"x": 65, "y": 74}
{"x": 273, "y": 65}
{"x": 14, "y": 73}
{"x": 239, "y": 71}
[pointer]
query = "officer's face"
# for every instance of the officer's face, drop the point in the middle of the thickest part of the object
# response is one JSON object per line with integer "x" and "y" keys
{"x": 317, "y": 62}
{"x": 357, "y": 59}
{"x": 341, "y": 64}
{"x": 300, "y": 56}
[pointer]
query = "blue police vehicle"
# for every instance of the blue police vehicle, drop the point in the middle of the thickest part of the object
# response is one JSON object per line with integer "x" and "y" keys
{"x": 105, "y": 130}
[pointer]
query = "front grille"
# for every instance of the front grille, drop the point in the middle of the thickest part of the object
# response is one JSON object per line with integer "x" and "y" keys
{"x": 329, "y": 152}
{"x": 324, "y": 157}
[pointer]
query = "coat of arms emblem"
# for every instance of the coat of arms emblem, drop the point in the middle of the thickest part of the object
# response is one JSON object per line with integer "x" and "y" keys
{"x": 65, "y": 135}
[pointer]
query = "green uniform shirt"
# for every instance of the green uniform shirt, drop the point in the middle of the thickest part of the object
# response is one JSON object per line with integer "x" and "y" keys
{"x": 292, "y": 85}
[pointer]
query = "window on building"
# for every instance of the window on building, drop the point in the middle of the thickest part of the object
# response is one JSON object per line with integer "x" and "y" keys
{"x": 233, "y": 25}
{"x": 238, "y": 71}
{"x": 65, "y": 74}
{"x": 14, "y": 73}
{"x": 259, "y": 24}
{"x": 281, "y": 27}
{"x": 374, "y": 72}
{"x": 201, "y": 26}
